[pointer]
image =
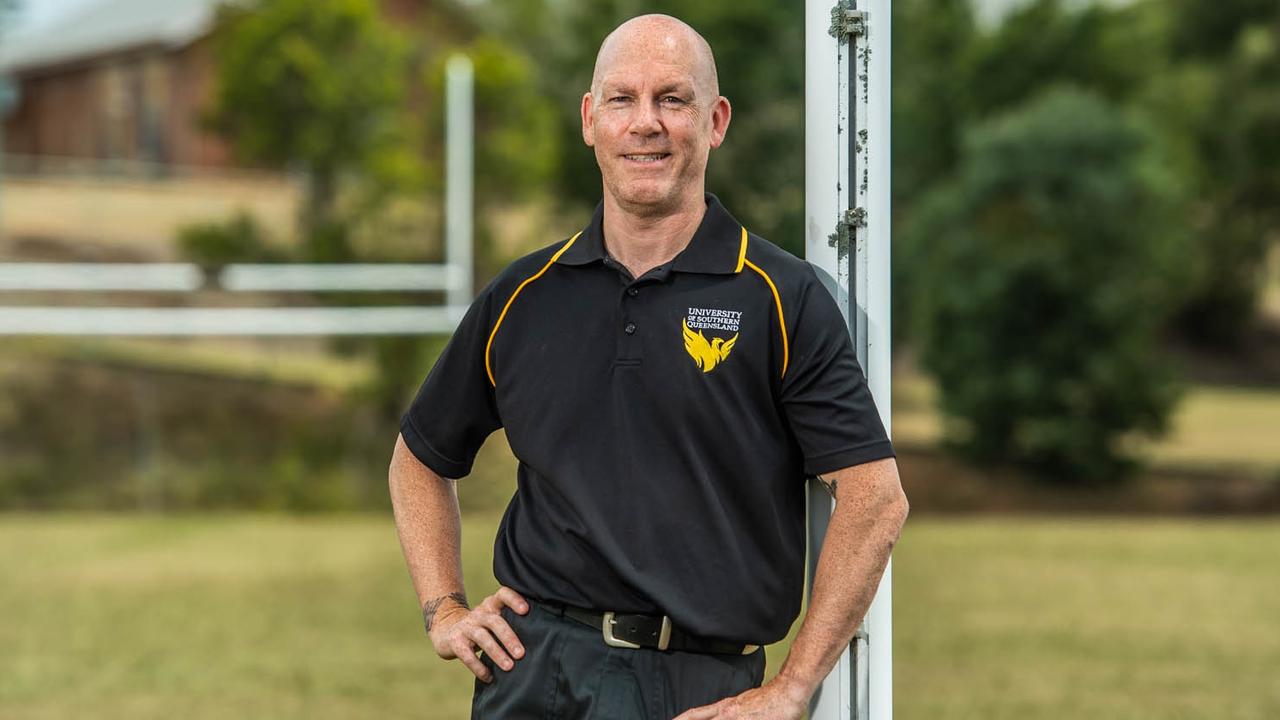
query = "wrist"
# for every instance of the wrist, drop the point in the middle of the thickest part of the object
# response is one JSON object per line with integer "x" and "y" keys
{"x": 796, "y": 687}
{"x": 439, "y": 609}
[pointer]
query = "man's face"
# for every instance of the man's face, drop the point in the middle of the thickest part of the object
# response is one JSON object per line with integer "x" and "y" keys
{"x": 652, "y": 125}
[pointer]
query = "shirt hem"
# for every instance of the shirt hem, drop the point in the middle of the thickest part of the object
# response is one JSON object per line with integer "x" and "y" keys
{"x": 848, "y": 457}
{"x": 427, "y": 455}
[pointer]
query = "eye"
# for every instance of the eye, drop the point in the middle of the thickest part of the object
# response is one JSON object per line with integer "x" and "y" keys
{"x": 673, "y": 100}
{"x": 619, "y": 99}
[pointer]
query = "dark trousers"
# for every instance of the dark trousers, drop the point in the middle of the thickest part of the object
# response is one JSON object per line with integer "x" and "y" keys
{"x": 569, "y": 673}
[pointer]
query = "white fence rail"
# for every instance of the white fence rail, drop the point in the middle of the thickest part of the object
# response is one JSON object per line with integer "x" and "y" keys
{"x": 383, "y": 320}
{"x": 343, "y": 277}
{"x": 186, "y": 277}
{"x": 141, "y": 277}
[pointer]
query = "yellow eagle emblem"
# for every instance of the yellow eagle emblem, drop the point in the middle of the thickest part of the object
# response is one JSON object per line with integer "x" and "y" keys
{"x": 706, "y": 354}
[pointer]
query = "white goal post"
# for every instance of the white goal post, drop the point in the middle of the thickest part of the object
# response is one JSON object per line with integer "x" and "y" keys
{"x": 847, "y": 239}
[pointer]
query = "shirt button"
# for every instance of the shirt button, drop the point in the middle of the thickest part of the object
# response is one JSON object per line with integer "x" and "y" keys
{"x": 632, "y": 291}
{"x": 629, "y": 328}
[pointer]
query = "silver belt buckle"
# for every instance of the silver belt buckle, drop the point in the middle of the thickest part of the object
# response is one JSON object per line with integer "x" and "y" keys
{"x": 606, "y": 627}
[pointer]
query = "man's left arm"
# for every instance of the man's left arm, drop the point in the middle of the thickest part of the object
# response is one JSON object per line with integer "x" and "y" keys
{"x": 870, "y": 510}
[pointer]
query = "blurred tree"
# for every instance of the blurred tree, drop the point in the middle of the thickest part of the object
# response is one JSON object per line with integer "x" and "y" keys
{"x": 1206, "y": 73}
{"x": 1045, "y": 269}
{"x": 240, "y": 239}
{"x": 518, "y": 149}
{"x": 948, "y": 73}
{"x": 933, "y": 48}
{"x": 517, "y": 154}
{"x": 1220, "y": 99}
{"x": 324, "y": 86}
{"x": 521, "y": 149}
{"x": 317, "y": 85}
{"x": 759, "y": 47}
{"x": 1211, "y": 29}
{"x": 1044, "y": 43}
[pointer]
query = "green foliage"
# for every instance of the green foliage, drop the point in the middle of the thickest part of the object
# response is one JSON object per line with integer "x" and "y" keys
{"x": 1221, "y": 102}
{"x": 1204, "y": 29}
{"x": 1042, "y": 274}
{"x": 517, "y": 148}
{"x": 240, "y": 239}
{"x": 317, "y": 85}
{"x": 402, "y": 364}
{"x": 1043, "y": 44}
{"x": 182, "y": 441}
{"x": 947, "y": 73}
{"x": 932, "y": 54}
{"x": 933, "y": 47}
{"x": 306, "y": 81}
{"x": 1205, "y": 74}
{"x": 325, "y": 86}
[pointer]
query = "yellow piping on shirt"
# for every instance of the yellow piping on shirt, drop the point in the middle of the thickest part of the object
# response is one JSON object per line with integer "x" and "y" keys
{"x": 742, "y": 252}
{"x": 782, "y": 323}
{"x": 488, "y": 368}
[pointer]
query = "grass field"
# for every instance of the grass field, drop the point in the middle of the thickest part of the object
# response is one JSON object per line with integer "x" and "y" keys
{"x": 279, "y": 617}
{"x": 1211, "y": 427}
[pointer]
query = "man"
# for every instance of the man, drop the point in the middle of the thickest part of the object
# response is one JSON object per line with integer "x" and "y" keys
{"x": 667, "y": 381}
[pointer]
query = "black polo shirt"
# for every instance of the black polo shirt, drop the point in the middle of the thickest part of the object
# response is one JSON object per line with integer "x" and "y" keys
{"x": 664, "y": 425}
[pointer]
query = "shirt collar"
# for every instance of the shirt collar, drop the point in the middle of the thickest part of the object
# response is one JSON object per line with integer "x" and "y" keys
{"x": 717, "y": 245}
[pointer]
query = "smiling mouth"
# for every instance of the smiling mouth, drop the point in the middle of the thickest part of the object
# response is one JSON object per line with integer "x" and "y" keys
{"x": 648, "y": 158}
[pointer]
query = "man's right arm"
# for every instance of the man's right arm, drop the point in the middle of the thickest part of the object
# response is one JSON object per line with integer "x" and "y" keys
{"x": 430, "y": 528}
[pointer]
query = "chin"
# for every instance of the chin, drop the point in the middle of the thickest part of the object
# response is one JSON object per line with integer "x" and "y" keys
{"x": 647, "y": 197}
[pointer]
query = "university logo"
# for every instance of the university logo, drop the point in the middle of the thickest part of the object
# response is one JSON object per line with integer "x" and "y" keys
{"x": 708, "y": 353}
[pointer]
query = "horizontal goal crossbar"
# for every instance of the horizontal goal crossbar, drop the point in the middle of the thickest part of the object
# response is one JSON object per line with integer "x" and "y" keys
{"x": 239, "y": 277}
{"x": 386, "y": 320}
{"x": 316, "y": 277}
{"x": 138, "y": 277}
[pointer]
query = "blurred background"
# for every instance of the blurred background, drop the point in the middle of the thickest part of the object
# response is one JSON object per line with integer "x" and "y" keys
{"x": 1086, "y": 391}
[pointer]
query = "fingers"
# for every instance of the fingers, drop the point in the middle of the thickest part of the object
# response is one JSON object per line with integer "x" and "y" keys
{"x": 511, "y": 598}
{"x": 472, "y": 660}
{"x": 489, "y": 614}
{"x": 485, "y": 628}
{"x": 482, "y": 637}
{"x": 504, "y": 634}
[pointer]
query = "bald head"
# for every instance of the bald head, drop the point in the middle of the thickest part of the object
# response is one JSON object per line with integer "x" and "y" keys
{"x": 653, "y": 116}
{"x": 660, "y": 38}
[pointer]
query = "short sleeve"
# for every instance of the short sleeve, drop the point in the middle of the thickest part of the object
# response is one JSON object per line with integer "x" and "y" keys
{"x": 824, "y": 393}
{"x": 455, "y": 409}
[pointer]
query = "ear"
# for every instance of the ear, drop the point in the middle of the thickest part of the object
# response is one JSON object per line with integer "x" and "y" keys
{"x": 721, "y": 112}
{"x": 588, "y": 123}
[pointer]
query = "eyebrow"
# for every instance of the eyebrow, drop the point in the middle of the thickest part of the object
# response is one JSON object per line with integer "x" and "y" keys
{"x": 677, "y": 88}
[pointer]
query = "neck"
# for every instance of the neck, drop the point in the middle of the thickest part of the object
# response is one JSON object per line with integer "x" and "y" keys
{"x": 642, "y": 242}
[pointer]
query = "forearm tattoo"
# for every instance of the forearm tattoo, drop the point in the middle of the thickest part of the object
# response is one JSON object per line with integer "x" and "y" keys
{"x": 829, "y": 484}
{"x": 429, "y": 610}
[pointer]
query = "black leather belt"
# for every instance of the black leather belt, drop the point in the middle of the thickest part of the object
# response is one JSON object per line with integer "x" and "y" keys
{"x": 637, "y": 631}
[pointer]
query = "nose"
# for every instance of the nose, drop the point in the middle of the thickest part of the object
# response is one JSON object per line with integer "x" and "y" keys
{"x": 645, "y": 121}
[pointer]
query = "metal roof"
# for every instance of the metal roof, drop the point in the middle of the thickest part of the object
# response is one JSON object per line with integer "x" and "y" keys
{"x": 104, "y": 27}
